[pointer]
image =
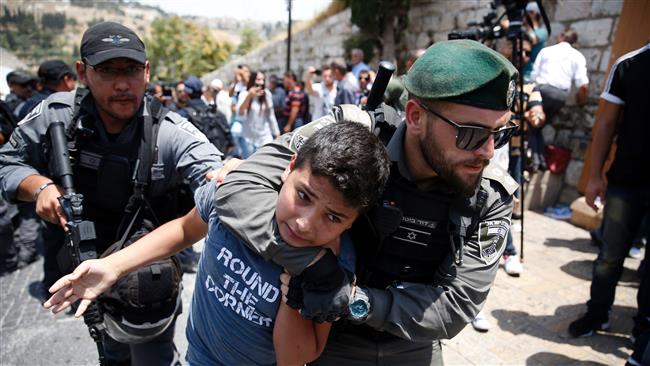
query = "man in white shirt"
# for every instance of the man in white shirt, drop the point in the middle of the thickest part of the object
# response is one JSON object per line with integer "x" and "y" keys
{"x": 321, "y": 95}
{"x": 558, "y": 67}
{"x": 221, "y": 98}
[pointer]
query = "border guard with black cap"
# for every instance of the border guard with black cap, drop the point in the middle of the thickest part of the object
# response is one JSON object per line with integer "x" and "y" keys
{"x": 428, "y": 253}
{"x": 130, "y": 155}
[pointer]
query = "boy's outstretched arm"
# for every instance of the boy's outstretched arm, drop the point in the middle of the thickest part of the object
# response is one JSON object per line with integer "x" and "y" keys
{"x": 93, "y": 277}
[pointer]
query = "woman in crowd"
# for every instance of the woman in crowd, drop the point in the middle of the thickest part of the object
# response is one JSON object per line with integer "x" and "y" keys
{"x": 255, "y": 110}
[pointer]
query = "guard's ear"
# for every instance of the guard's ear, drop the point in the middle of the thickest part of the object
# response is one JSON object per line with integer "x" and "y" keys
{"x": 415, "y": 117}
{"x": 81, "y": 71}
{"x": 289, "y": 168}
{"x": 147, "y": 70}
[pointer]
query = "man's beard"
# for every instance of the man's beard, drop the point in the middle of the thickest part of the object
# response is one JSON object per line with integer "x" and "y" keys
{"x": 436, "y": 159}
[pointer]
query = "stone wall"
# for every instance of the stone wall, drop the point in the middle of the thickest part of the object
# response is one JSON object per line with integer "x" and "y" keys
{"x": 310, "y": 47}
{"x": 430, "y": 21}
{"x": 595, "y": 22}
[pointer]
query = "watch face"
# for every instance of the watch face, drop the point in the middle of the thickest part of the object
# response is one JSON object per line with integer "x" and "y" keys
{"x": 359, "y": 309}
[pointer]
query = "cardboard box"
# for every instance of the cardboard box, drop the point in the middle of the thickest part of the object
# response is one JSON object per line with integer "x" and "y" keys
{"x": 584, "y": 216}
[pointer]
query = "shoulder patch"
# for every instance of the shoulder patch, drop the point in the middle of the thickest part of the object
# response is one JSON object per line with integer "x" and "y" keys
{"x": 33, "y": 114}
{"x": 491, "y": 239}
{"x": 187, "y": 127}
{"x": 303, "y": 133}
{"x": 494, "y": 173}
{"x": 66, "y": 98}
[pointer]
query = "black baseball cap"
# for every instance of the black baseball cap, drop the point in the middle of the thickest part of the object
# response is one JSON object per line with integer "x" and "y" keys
{"x": 54, "y": 70}
{"x": 108, "y": 40}
{"x": 20, "y": 77}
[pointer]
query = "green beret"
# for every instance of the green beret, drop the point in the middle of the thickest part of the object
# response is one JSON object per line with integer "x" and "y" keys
{"x": 464, "y": 72}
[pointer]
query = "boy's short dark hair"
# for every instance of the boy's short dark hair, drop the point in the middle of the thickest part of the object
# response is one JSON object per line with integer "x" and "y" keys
{"x": 353, "y": 159}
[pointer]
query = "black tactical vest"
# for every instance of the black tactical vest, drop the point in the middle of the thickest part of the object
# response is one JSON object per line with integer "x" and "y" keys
{"x": 104, "y": 173}
{"x": 412, "y": 229}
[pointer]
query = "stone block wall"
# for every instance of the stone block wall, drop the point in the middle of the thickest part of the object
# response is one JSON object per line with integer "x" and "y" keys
{"x": 595, "y": 22}
{"x": 431, "y": 21}
{"x": 310, "y": 47}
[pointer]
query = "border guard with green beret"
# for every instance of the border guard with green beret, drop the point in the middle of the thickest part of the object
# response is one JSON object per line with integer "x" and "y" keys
{"x": 428, "y": 253}
{"x": 131, "y": 155}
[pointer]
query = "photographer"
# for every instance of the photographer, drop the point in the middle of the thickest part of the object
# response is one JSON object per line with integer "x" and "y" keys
{"x": 321, "y": 95}
{"x": 255, "y": 110}
{"x": 108, "y": 134}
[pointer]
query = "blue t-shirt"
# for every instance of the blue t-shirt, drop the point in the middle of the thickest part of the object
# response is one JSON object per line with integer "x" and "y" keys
{"x": 236, "y": 296}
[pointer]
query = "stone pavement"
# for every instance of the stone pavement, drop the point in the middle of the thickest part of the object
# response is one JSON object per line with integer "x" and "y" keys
{"x": 530, "y": 314}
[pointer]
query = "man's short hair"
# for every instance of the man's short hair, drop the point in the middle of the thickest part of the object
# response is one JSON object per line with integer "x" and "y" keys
{"x": 357, "y": 51}
{"x": 325, "y": 67}
{"x": 292, "y": 75}
{"x": 570, "y": 36}
{"x": 339, "y": 65}
{"x": 352, "y": 158}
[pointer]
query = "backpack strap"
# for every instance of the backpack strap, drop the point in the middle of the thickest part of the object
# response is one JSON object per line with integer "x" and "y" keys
{"x": 75, "y": 126}
{"x": 147, "y": 155}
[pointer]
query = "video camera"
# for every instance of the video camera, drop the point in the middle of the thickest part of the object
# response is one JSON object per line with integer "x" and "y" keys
{"x": 490, "y": 28}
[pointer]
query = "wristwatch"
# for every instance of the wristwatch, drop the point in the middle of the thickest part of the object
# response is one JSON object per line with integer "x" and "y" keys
{"x": 359, "y": 306}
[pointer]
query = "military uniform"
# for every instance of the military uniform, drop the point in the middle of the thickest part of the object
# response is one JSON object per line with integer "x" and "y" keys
{"x": 105, "y": 164}
{"x": 426, "y": 258}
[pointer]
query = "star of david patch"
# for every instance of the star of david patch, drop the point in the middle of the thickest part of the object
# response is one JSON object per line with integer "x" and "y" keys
{"x": 491, "y": 239}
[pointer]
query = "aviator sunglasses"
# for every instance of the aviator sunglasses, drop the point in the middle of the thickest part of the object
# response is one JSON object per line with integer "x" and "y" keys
{"x": 473, "y": 137}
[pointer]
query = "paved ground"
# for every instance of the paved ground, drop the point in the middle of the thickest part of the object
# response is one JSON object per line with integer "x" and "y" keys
{"x": 530, "y": 314}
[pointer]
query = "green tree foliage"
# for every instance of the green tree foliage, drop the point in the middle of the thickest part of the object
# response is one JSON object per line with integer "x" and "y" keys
{"x": 53, "y": 21}
{"x": 249, "y": 40}
{"x": 20, "y": 33}
{"x": 381, "y": 23}
{"x": 178, "y": 47}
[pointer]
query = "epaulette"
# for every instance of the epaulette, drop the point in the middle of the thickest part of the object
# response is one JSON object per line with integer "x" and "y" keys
{"x": 496, "y": 174}
{"x": 66, "y": 98}
{"x": 174, "y": 118}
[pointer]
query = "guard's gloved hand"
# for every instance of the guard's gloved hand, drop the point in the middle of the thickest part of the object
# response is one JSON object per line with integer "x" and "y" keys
{"x": 326, "y": 290}
{"x": 294, "y": 294}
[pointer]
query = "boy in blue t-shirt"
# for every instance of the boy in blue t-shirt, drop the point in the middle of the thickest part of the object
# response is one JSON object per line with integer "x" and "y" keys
{"x": 337, "y": 173}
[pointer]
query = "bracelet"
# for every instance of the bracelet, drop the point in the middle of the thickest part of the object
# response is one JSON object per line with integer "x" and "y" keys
{"x": 40, "y": 189}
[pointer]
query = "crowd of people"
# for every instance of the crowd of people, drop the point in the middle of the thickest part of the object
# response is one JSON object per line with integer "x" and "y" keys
{"x": 322, "y": 246}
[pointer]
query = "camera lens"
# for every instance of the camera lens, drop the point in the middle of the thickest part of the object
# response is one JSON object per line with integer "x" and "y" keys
{"x": 318, "y": 72}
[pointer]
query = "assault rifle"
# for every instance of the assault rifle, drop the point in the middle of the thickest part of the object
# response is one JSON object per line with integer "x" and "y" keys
{"x": 385, "y": 118}
{"x": 80, "y": 234}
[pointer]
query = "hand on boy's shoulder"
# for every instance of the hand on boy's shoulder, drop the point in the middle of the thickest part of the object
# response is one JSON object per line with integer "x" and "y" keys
{"x": 219, "y": 175}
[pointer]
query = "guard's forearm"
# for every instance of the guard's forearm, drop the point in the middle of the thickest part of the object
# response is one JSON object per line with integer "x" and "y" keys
{"x": 28, "y": 187}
